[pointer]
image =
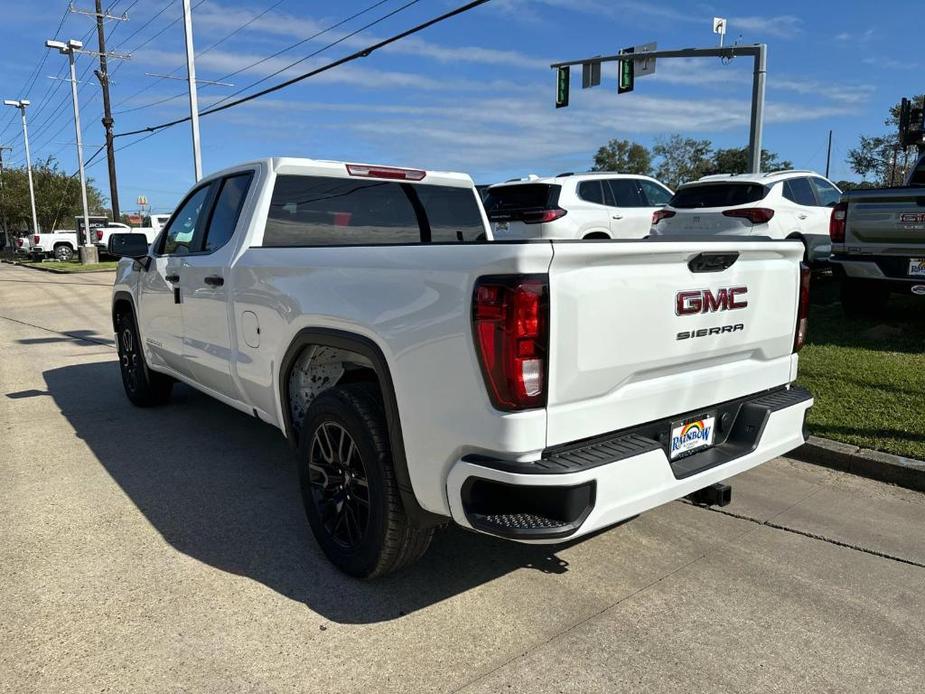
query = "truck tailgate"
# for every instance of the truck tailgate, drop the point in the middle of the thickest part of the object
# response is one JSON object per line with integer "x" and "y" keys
{"x": 890, "y": 219}
{"x": 616, "y": 358}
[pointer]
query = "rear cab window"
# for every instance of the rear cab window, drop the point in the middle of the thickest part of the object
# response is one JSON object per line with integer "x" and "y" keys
{"x": 328, "y": 211}
{"x": 718, "y": 195}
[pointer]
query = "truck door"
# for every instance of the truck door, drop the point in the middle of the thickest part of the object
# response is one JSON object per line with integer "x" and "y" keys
{"x": 207, "y": 345}
{"x": 161, "y": 288}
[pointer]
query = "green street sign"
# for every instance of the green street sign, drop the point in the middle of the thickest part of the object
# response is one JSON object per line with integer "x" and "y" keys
{"x": 627, "y": 74}
{"x": 562, "y": 86}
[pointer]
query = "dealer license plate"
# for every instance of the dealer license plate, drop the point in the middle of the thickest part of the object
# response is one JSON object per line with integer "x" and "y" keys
{"x": 916, "y": 267}
{"x": 691, "y": 435}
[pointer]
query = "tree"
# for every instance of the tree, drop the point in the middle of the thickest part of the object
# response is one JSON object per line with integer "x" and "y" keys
{"x": 735, "y": 161}
{"x": 681, "y": 159}
{"x": 882, "y": 155}
{"x": 623, "y": 156}
{"x": 855, "y": 185}
{"x": 57, "y": 197}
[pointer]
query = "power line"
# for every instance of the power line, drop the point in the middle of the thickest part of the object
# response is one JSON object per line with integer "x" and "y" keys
{"x": 362, "y": 53}
{"x": 179, "y": 95}
{"x": 202, "y": 52}
{"x": 35, "y": 73}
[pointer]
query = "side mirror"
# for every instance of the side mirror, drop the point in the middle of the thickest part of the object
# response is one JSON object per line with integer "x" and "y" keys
{"x": 133, "y": 246}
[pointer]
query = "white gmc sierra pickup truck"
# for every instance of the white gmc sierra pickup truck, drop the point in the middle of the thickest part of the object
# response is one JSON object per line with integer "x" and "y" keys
{"x": 533, "y": 390}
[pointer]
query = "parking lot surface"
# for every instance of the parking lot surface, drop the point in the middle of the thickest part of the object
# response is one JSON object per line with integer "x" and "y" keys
{"x": 166, "y": 550}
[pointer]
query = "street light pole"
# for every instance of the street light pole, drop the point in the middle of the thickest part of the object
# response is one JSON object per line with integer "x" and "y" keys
{"x": 21, "y": 104}
{"x": 88, "y": 252}
{"x": 191, "y": 78}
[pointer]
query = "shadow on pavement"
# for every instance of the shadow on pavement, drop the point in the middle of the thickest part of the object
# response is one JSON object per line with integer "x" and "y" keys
{"x": 80, "y": 337}
{"x": 221, "y": 487}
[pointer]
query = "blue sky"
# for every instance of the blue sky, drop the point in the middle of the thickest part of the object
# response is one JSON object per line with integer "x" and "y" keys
{"x": 474, "y": 94}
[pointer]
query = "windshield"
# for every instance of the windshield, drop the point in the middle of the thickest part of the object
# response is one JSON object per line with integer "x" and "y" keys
{"x": 718, "y": 195}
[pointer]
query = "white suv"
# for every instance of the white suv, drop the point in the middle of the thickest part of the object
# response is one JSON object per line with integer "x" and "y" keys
{"x": 600, "y": 205}
{"x": 781, "y": 205}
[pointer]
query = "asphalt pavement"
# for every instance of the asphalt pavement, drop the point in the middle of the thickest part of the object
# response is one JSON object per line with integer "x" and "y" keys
{"x": 166, "y": 550}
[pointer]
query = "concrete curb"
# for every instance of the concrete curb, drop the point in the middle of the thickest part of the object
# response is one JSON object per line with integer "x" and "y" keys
{"x": 55, "y": 271}
{"x": 884, "y": 467}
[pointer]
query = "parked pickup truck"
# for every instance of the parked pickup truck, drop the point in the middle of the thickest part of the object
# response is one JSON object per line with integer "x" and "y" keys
{"x": 424, "y": 373}
{"x": 63, "y": 243}
{"x": 878, "y": 243}
{"x": 102, "y": 233}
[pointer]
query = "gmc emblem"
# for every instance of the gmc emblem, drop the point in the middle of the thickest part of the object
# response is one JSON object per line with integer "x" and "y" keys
{"x": 704, "y": 301}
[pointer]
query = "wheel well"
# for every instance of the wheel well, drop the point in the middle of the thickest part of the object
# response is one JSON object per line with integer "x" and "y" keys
{"x": 596, "y": 235}
{"x": 317, "y": 368}
{"x": 63, "y": 243}
{"x": 120, "y": 305}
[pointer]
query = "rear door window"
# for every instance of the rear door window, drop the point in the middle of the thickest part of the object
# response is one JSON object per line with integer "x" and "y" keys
{"x": 227, "y": 210}
{"x": 326, "y": 211}
{"x": 800, "y": 191}
{"x": 654, "y": 194}
{"x": 827, "y": 195}
{"x": 591, "y": 191}
{"x": 718, "y": 195}
{"x": 626, "y": 192}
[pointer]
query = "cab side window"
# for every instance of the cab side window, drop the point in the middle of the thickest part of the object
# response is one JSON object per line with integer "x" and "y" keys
{"x": 180, "y": 235}
{"x": 655, "y": 195}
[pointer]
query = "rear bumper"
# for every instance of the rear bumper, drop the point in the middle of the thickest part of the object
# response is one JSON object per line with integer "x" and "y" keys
{"x": 888, "y": 268}
{"x": 584, "y": 487}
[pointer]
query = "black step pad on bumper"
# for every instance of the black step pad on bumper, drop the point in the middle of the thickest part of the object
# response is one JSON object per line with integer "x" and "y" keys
{"x": 740, "y": 424}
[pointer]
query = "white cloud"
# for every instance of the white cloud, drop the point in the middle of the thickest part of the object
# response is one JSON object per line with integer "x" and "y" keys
{"x": 780, "y": 26}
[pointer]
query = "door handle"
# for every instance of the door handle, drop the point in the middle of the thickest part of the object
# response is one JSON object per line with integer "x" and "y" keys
{"x": 215, "y": 280}
{"x": 617, "y": 216}
{"x": 172, "y": 278}
{"x": 802, "y": 216}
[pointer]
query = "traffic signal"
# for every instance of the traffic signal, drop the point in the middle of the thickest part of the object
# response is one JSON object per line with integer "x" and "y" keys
{"x": 562, "y": 86}
{"x": 627, "y": 74}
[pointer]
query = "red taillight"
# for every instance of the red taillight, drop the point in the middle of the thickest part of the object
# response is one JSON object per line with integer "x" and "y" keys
{"x": 35, "y": 240}
{"x": 510, "y": 318}
{"x": 659, "y": 215}
{"x": 756, "y": 215}
{"x": 386, "y": 172}
{"x": 837, "y": 222}
{"x": 543, "y": 216}
{"x": 803, "y": 309}
{"x": 99, "y": 234}
{"x": 19, "y": 243}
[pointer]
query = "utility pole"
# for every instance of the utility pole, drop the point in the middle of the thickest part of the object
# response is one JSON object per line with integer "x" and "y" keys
{"x": 21, "y": 104}
{"x": 6, "y": 229}
{"x": 828, "y": 155}
{"x": 191, "y": 79}
{"x": 757, "y": 51}
{"x": 103, "y": 76}
{"x": 88, "y": 252}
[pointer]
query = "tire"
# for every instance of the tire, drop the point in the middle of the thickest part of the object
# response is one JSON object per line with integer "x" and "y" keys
{"x": 64, "y": 253}
{"x": 349, "y": 491}
{"x": 144, "y": 388}
{"x": 863, "y": 298}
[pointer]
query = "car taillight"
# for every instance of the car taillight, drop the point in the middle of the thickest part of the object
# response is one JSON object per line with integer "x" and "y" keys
{"x": 543, "y": 216}
{"x": 756, "y": 215}
{"x": 659, "y": 215}
{"x": 19, "y": 243}
{"x": 803, "y": 309}
{"x": 510, "y": 321}
{"x": 99, "y": 234}
{"x": 35, "y": 240}
{"x": 837, "y": 222}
